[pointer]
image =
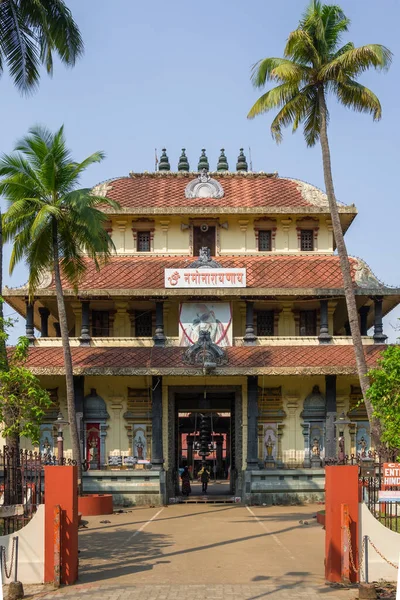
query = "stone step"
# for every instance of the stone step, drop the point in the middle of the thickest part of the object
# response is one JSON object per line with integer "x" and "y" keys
{"x": 206, "y": 500}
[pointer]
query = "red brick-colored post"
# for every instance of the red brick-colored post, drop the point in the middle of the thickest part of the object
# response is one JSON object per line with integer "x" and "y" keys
{"x": 61, "y": 490}
{"x": 341, "y": 487}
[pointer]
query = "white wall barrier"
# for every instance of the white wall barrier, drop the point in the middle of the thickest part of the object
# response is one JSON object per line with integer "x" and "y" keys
{"x": 30, "y": 550}
{"x": 385, "y": 540}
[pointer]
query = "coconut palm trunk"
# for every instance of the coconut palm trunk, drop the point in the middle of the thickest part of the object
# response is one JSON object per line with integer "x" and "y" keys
{"x": 69, "y": 378}
{"x": 348, "y": 286}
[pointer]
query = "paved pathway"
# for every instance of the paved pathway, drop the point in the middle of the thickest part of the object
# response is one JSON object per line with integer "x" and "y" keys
{"x": 194, "y": 552}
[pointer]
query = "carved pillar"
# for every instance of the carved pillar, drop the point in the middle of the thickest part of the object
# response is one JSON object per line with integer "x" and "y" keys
{"x": 324, "y": 336}
{"x": 85, "y": 328}
{"x": 331, "y": 411}
{"x": 57, "y": 329}
{"x": 364, "y": 310}
{"x": 44, "y": 321}
{"x": 157, "y": 433}
{"x": 379, "y": 336}
{"x": 286, "y": 224}
{"x": 249, "y": 338}
{"x": 159, "y": 337}
{"x": 219, "y": 440}
{"x": 79, "y": 394}
{"x": 29, "y": 327}
{"x": 252, "y": 417}
{"x": 164, "y": 229}
{"x": 189, "y": 441}
{"x": 121, "y": 228}
{"x": 243, "y": 223}
{"x": 306, "y": 434}
{"x": 121, "y": 323}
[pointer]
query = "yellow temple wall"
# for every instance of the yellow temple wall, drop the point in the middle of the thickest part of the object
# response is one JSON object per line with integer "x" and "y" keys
{"x": 295, "y": 389}
{"x": 236, "y": 234}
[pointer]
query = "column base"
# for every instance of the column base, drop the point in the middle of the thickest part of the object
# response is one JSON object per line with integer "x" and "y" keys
{"x": 31, "y": 339}
{"x": 252, "y": 465}
{"x": 324, "y": 338}
{"x": 84, "y": 340}
{"x": 157, "y": 464}
{"x": 250, "y": 339}
{"x": 159, "y": 340}
{"x": 380, "y": 338}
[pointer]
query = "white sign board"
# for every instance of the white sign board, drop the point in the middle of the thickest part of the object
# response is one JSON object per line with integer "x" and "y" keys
{"x": 391, "y": 474}
{"x": 205, "y": 278}
{"x": 389, "y": 496}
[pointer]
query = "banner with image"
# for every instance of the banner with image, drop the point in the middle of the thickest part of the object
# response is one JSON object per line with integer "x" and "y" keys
{"x": 214, "y": 317}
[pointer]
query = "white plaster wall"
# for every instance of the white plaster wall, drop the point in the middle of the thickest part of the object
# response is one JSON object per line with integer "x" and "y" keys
{"x": 387, "y": 541}
{"x": 30, "y": 550}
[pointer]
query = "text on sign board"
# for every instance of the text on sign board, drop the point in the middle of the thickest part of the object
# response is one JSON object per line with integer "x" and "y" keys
{"x": 391, "y": 474}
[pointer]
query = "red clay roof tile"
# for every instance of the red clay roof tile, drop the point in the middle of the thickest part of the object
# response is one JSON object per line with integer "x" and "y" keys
{"x": 155, "y": 191}
{"x": 239, "y": 357}
{"x": 146, "y": 272}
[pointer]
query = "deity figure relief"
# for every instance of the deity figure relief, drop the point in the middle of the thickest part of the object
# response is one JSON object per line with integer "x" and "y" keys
{"x": 315, "y": 448}
{"x": 139, "y": 448}
{"x": 46, "y": 447}
{"x": 269, "y": 444}
{"x": 92, "y": 451}
{"x": 363, "y": 446}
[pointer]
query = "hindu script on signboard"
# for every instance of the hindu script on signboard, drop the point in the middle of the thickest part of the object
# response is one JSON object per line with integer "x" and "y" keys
{"x": 205, "y": 278}
{"x": 391, "y": 474}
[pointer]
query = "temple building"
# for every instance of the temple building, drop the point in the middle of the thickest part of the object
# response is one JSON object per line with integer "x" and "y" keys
{"x": 217, "y": 332}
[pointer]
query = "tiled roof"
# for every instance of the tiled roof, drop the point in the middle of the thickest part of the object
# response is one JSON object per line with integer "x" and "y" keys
{"x": 285, "y": 359}
{"x": 158, "y": 190}
{"x": 145, "y": 272}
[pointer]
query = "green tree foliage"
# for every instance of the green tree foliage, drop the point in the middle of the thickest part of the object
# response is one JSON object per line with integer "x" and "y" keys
{"x": 23, "y": 401}
{"x": 54, "y": 226}
{"x": 384, "y": 394}
{"x": 316, "y": 64}
{"x": 31, "y": 31}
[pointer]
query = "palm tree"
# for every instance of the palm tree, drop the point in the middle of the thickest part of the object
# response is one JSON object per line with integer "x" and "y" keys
{"x": 31, "y": 31}
{"x": 314, "y": 65}
{"x": 53, "y": 226}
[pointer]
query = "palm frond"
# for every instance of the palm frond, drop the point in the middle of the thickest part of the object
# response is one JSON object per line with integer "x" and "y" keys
{"x": 292, "y": 112}
{"x": 358, "y": 97}
{"x": 281, "y": 69}
{"x": 312, "y": 120}
{"x": 273, "y": 98}
{"x": 356, "y": 61}
{"x": 300, "y": 48}
{"x": 19, "y": 46}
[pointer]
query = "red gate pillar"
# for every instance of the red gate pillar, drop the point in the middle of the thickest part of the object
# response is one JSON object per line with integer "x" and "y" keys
{"x": 60, "y": 489}
{"x": 341, "y": 487}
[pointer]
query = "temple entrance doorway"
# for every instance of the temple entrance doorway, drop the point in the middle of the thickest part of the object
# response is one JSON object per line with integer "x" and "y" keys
{"x": 205, "y": 439}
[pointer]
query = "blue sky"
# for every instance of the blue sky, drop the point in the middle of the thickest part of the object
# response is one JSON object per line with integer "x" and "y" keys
{"x": 176, "y": 74}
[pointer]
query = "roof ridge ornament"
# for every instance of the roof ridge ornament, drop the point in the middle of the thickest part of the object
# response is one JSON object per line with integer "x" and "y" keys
{"x": 241, "y": 164}
{"x": 204, "y": 186}
{"x": 222, "y": 162}
{"x": 164, "y": 161}
{"x": 183, "y": 164}
{"x": 205, "y": 261}
{"x": 203, "y": 161}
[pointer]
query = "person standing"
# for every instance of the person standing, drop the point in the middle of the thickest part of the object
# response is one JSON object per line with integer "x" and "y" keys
{"x": 205, "y": 478}
{"x": 186, "y": 489}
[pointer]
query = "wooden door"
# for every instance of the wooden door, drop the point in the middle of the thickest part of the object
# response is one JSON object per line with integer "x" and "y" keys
{"x": 203, "y": 239}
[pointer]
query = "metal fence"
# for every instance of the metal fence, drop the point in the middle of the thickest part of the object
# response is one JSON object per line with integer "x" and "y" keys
{"x": 21, "y": 486}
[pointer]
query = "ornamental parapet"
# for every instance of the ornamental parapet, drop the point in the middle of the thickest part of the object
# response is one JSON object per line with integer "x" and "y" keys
{"x": 134, "y": 342}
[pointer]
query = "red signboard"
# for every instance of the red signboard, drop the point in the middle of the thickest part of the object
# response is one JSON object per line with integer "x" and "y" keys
{"x": 391, "y": 474}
